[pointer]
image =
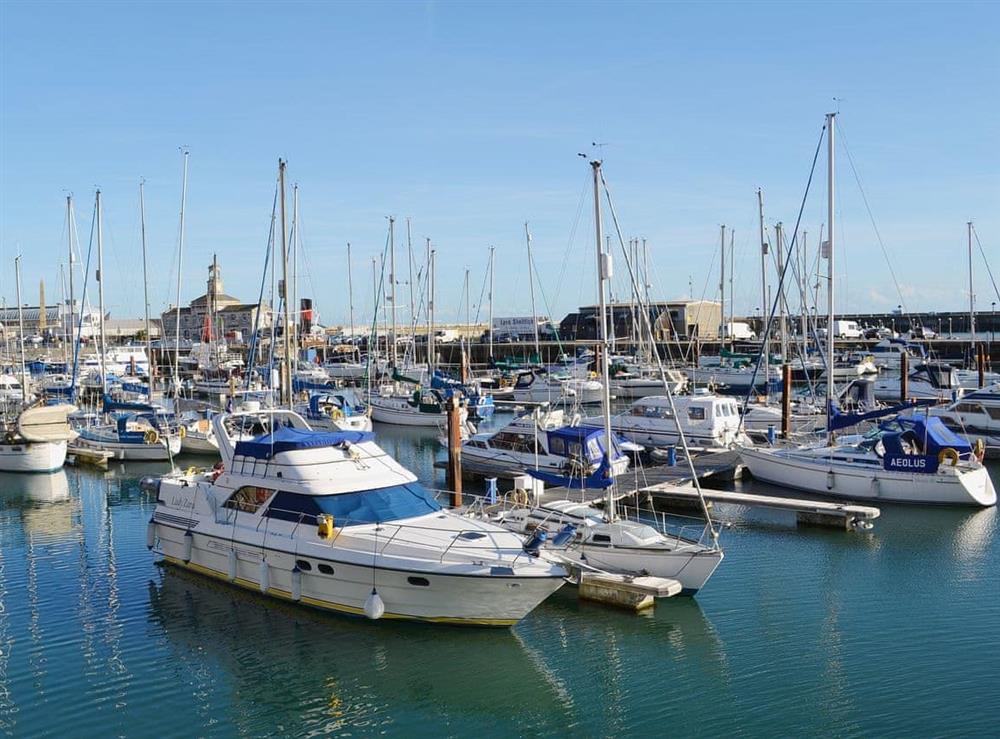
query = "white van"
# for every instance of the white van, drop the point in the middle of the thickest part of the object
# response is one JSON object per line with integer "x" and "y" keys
{"x": 738, "y": 331}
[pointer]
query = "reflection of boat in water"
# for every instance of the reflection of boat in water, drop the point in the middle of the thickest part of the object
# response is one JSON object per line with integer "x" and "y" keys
{"x": 337, "y": 674}
{"x": 43, "y": 501}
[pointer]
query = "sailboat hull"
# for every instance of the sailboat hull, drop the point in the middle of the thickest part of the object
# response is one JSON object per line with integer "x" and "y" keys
{"x": 823, "y": 476}
{"x": 45, "y": 456}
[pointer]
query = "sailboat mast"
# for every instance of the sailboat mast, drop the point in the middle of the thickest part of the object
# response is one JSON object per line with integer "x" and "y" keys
{"x": 531, "y": 288}
{"x": 145, "y": 281}
{"x": 732, "y": 269}
{"x": 763, "y": 285}
{"x": 286, "y": 385}
{"x": 295, "y": 310}
{"x": 350, "y": 290}
{"x": 392, "y": 287}
{"x": 20, "y": 328}
{"x": 180, "y": 269}
{"x": 722, "y": 282}
{"x": 70, "y": 218}
{"x": 782, "y": 332}
{"x": 492, "y": 250}
{"x": 972, "y": 295}
{"x": 830, "y": 254}
{"x": 430, "y": 312}
{"x": 100, "y": 293}
{"x": 604, "y": 273}
{"x": 413, "y": 309}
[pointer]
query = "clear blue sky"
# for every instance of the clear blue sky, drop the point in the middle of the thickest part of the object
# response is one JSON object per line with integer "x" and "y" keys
{"x": 467, "y": 117}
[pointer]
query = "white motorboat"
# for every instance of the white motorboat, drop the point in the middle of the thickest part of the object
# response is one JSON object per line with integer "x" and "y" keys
{"x": 538, "y": 386}
{"x": 887, "y": 353}
{"x": 910, "y": 460}
{"x": 927, "y": 381}
{"x": 632, "y": 382}
{"x": 968, "y": 379}
{"x": 12, "y": 392}
{"x": 331, "y": 521}
{"x": 542, "y": 440}
{"x": 976, "y": 416}
{"x": 708, "y": 421}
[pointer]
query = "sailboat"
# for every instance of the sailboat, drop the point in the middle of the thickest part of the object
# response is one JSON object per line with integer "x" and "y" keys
{"x": 914, "y": 460}
{"x": 602, "y": 538}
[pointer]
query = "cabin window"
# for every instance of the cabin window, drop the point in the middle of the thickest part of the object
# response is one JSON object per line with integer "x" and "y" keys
{"x": 593, "y": 448}
{"x": 325, "y": 569}
{"x": 557, "y": 445}
{"x": 601, "y": 539}
{"x": 969, "y": 408}
{"x": 994, "y": 413}
{"x": 248, "y": 499}
{"x": 421, "y": 581}
{"x": 303, "y": 565}
{"x": 696, "y": 413}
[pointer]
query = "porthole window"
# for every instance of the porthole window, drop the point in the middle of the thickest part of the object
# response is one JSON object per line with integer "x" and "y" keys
{"x": 326, "y": 569}
{"x": 421, "y": 581}
{"x": 303, "y": 565}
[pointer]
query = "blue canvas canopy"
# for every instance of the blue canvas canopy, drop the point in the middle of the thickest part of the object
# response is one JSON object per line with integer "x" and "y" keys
{"x": 929, "y": 431}
{"x": 599, "y": 478}
{"x": 287, "y": 439}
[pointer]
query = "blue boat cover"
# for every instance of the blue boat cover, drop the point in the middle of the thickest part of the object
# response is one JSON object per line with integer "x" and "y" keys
{"x": 288, "y": 439}
{"x": 599, "y": 478}
{"x": 929, "y": 431}
{"x": 111, "y": 406}
{"x": 362, "y": 507}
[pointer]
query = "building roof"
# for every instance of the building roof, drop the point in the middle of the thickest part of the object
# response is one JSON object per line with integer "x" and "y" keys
{"x": 219, "y": 299}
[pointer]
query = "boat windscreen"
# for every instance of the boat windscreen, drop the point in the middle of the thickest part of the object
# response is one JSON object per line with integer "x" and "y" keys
{"x": 352, "y": 509}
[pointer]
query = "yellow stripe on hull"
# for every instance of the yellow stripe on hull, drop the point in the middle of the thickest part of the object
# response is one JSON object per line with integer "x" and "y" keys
{"x": 330, "y": 606}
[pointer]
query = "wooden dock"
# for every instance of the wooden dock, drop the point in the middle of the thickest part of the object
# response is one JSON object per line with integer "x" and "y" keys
{"x": 809, "y": 512}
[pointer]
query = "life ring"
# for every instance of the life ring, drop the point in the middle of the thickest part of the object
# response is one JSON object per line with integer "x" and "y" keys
{"x": 979, "y": 449}
{"x": 151, "y": 437}
{"x": 520, "y": 498}
{"x": 948, "y": 453}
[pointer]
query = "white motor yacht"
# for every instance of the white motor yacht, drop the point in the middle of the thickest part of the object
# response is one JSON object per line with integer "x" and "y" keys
{"x": 708, "y": 421}
{"x": 330, "y": 520}
{"x": 976, "y": 416}
{"x": 927, "y": 381}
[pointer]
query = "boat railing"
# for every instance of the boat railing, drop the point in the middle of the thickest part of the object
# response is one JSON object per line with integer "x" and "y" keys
{"x": 464, "y": 540}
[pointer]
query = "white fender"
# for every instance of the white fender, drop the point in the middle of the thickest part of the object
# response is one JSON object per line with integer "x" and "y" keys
{"x": 232, "y": 565}
{"x": 296, "y": 583}
{"x": 187, "y": 546}
{"x": 265, "y": 576}
{"x": 150, "y": 534}
{"x": 374, "y": 607}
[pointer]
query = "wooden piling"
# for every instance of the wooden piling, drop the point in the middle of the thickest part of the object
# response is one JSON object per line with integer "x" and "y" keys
{"x": 455, "y": 451}
{"x": 786, "y": 400}
{"x": 904, "y": 376}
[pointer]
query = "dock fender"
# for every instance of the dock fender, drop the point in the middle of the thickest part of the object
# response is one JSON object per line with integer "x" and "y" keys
{"x": 231, "y": 565}
{"x": 829, "y": 479}
{"x": 150, "y": 534}
{"x": 296, "y": 583}
{"x": 876, "y": 487}
{"x": 374, "y": 607}
{"x": 187, "y": 546}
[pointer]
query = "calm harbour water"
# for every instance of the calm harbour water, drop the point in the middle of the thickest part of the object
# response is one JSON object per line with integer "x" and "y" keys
{"x": 802, "y": 632}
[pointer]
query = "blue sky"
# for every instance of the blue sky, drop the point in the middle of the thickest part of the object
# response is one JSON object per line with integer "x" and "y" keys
{"x": 467, "y": 118}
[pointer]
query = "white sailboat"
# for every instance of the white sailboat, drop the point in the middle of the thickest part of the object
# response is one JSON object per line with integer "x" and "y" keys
{"x": 904, "y": 462}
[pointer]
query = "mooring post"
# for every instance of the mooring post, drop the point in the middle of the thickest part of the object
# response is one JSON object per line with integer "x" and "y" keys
{"x": 786, "y": 399}
{"x": 904, "y": 376}
{"x": 455, "y": 451}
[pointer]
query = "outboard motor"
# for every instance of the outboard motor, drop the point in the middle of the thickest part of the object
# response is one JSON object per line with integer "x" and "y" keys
{"x": 532, "y": 545}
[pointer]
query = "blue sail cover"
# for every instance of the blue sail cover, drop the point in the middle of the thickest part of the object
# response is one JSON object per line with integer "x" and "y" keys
{"x": 597, "y": 479}
{"x": 288, "y": 439}
{"x": 838, "y": 419}
{"x": 111, "y": 406}
{"x": 931, "y": 432}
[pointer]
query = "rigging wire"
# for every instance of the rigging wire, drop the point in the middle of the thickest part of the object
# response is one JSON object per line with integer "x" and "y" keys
{"x": 985, "y": 261}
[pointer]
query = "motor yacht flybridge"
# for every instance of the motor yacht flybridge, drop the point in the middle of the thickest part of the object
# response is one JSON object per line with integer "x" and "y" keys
{"x": 328, "y": 519}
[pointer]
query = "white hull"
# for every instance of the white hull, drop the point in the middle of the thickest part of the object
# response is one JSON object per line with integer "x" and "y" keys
{"x": 691, "y": 567}
{"x": 346, "y": 371}
{"x": 399, "y": 412}
{"x": 950, "y": 485}
{"x": 642, "y": 388}
{"x": 196, "y": 442}
{"x": 486, "y": 600}
{"x": 888, "y": 389}
{"x": 45, "y": 456}
{"x": 134, "y": 452}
